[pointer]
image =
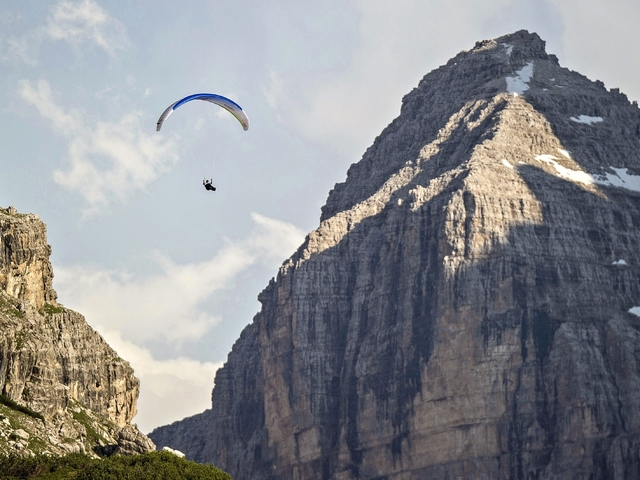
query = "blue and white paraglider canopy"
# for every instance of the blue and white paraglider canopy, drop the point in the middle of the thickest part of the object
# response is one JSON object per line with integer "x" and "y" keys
{"x": 232, "y": 107}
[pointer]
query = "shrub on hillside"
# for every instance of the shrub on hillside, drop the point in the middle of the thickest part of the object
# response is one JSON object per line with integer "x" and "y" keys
{"x": 149, "y": 466}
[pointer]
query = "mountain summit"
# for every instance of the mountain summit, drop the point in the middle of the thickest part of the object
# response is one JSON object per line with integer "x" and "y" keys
{"x": 469, "y": 306}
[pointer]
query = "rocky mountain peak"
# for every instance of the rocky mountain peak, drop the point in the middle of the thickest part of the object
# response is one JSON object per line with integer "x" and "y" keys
{"x": 515, "y": 64}
{"x": 467, "y": 305}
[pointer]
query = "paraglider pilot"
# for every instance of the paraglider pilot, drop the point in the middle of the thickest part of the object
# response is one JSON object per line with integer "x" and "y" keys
{"x": 207, "y": 184}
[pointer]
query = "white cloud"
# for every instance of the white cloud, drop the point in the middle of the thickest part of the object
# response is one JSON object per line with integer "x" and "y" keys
{"x": 41, "y": 97}
{"x": 157, "y": 306}
{"x": 77, "y": 23}
{"x": 23, "y": 49}
{"x": 274, "y": 239}
{"x": 7, "y": 17}
{"x": 166, "y": 306}
{"x": 108, "y": 160}
{"x": 169, "y": 389}
{"x": 275, "y": 90}
{"x": 345, "y": 106}
{"x": 599, "y": 43}
{"x": 86, "y": 22}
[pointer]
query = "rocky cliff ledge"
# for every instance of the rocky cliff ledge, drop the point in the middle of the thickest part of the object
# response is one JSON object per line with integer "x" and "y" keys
{"x": 468, "y": 307}
{"x": 78, "y": 394}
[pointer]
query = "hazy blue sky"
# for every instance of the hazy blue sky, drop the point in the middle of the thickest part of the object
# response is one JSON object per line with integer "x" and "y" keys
{"x": 167, "y": 272}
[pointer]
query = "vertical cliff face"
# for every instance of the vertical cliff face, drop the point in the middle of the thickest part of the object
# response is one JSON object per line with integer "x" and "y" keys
{"x": 25, "y": 270}
{"x": 52, "y": 361}
{"x": 465, "y": 308}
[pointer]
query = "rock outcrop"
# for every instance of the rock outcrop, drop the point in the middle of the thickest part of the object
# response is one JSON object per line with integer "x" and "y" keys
{"x": 25, "y": 270}
{"x": 188, "y": 435}
{"x": 466, "y": 307}
{"x": 52, "y": 362}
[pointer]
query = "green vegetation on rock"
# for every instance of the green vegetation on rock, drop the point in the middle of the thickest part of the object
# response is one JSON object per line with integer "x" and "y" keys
{"x": 21, "y": 338}
{"x": 149, "y": 466}
{"x": 49, "y": 309}
{"x": 9, "y": 308}
{"x": 20, "y": 408}
{"x": 93, "y": 437}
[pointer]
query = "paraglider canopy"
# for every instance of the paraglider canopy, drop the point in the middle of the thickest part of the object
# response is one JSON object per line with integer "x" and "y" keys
{"x": 224, "y": 102}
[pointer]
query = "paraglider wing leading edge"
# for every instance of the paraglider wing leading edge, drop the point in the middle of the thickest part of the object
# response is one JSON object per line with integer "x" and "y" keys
{"x": 224, "y": 102}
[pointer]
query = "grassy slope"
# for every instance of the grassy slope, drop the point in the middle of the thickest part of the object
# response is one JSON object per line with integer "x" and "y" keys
{"x": 149, "y": 466}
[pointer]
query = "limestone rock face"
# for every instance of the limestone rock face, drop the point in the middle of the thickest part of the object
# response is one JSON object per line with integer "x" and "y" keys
{"x": 131, "y": 441}
{"x": 465, "y": 308}
{"x": 51, "y": 360}
{"x": 25, "y": 270}
{"x": 188, "y": 435}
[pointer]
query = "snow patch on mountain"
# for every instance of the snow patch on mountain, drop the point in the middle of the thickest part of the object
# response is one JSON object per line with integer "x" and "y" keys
{"x": 572, "y": 175}
{"x": 586, "y": 119}
{"x": 520, "y": 83}
{"x": 621, "y": 179}
{"x": 506, "y": 163}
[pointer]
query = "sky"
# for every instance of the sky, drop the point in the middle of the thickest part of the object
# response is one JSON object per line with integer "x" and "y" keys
{"x": 166, "y": 271}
